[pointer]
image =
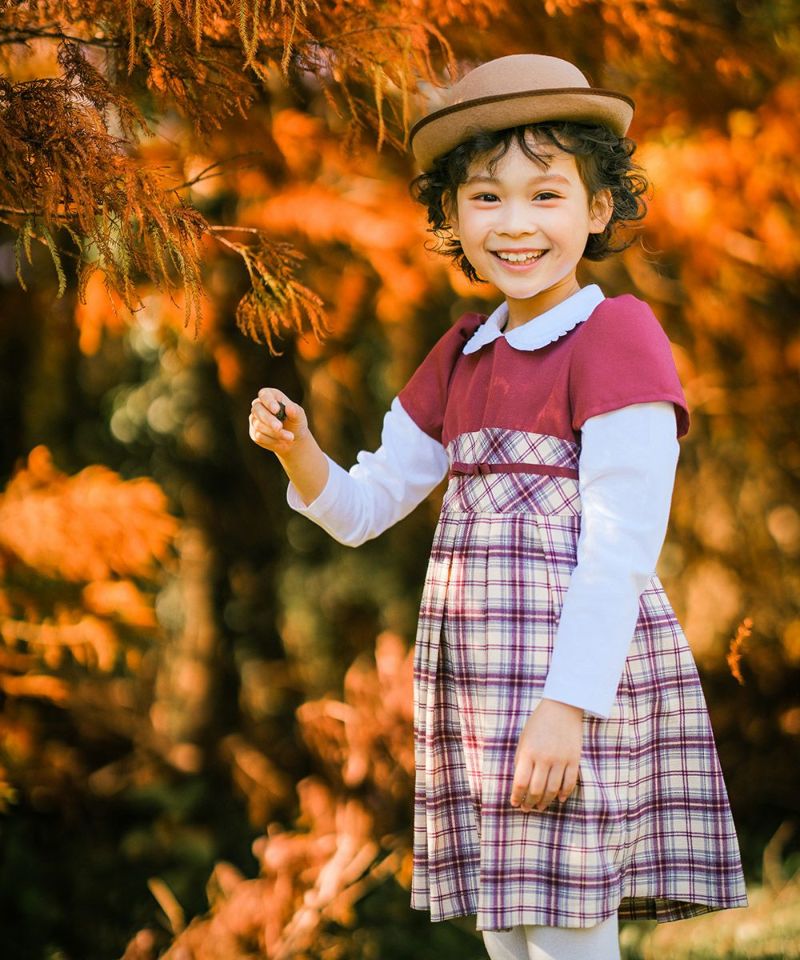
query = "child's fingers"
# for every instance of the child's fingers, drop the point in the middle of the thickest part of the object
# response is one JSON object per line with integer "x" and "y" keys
{"x": 275, "y": 401}
{"x": 535, "y": 786}
{"x": 551, "y": 787}
{"x": 569, "y": 783}
{"x": 542, "y": 787}
{"x": 271, "y": 396}
{"x": 278, "y": 405}
{"x": 266, "y": 430}
{"x": 523, "y": 768}
{"x": 289, "y": 409}
{"x": 265, "y": 420}
{"x": 266, "y": 409}
{"x": 266, "y": 403}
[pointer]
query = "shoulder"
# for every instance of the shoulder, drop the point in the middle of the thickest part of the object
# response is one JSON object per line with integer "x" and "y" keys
{"x": 622, "y": 324}
{"x": 424, "y": 395}
{"x": 623, "y": 312}
{"x": 467, "y": 323}
{"x": 624, "y": 307}
{"x": 461, "y": 331}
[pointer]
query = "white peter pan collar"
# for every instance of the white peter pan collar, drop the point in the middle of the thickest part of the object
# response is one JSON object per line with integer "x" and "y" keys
{"x": 545, "y": 328}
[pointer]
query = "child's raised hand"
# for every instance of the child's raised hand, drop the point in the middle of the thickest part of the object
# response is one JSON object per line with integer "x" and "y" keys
{"x": 546, "y": 760}
{"x": 267, "y": 430}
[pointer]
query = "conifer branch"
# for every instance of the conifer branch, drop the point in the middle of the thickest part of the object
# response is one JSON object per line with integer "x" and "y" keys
{"x": 61, "y": 169}
{"x": 277, "y": 301}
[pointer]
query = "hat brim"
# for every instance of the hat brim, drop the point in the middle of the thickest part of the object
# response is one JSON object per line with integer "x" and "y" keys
{"x": 444, "y": 129}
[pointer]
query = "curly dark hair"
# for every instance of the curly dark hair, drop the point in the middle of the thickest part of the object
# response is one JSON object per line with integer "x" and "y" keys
{"x": 603, "y": 160}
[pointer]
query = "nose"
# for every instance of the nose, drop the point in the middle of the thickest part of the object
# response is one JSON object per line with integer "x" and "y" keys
{"x": 517, "y": 219}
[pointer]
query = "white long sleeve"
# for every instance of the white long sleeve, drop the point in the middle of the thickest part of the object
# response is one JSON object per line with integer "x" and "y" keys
{"x": 627, "y": 471}
{"x": 381, "y": 487}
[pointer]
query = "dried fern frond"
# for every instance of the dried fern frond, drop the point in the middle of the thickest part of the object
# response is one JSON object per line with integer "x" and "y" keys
{"x": 277, "y": 302}
{"x": 81, "y": 75}
{"x": 63, "y": 169}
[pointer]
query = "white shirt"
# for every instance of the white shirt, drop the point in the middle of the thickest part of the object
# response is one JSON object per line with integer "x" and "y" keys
{"x": 626, "y": 471}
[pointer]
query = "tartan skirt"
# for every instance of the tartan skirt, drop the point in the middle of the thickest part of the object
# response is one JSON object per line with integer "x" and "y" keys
{"x": 648, "y": 830}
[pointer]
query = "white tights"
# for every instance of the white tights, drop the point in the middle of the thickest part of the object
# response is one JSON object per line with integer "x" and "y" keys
{"x": 600, "y": 942}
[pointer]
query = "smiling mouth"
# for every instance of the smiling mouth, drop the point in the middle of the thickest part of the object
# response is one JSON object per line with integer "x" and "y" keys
{"x": 509, "y": 256}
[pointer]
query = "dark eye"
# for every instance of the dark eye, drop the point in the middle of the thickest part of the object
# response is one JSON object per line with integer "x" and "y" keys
{"x": 485, "y": 196}
{"x": 546, "y": 195}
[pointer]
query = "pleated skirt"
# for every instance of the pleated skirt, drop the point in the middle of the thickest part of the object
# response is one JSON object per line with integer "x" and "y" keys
{"x": 648, "y": 830}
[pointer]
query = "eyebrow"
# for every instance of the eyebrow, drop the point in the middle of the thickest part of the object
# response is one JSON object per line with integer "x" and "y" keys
{"x": 545, "y": 177}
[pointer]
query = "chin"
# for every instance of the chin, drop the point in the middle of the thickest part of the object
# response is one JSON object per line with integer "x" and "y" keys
{"x": 519, "y": 292}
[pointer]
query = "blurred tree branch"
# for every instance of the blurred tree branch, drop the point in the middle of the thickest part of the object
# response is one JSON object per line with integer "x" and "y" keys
{"x": 62, "y": 170}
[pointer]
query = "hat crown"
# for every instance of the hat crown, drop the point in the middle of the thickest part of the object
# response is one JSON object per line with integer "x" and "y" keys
{"x": 511, "y": 91}
{"x": 515, "y": 73}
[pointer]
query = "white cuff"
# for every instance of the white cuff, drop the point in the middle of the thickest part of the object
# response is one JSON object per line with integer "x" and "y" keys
{"x": 323, "y": 507}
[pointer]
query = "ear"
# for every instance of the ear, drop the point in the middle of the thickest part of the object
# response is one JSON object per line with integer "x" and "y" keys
{"x": 602, "y": 208}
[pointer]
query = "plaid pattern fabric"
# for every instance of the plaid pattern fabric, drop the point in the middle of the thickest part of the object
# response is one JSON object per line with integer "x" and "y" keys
{"x": 498, "y": 445}
{"x": 648, "y": 828}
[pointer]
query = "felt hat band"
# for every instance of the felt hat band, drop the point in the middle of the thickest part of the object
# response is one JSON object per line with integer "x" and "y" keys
{"x": 510, "y": 91}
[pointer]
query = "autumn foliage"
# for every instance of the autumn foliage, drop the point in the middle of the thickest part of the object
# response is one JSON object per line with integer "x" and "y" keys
{"x": 210, "y": 696}
{"x": 312, "y": 877}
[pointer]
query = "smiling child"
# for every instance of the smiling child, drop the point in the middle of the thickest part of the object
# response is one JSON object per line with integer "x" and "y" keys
{"x": 566, "y": 770}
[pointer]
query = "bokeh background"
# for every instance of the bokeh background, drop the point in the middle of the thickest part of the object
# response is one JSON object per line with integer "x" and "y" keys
{"x": 205, "y": 702}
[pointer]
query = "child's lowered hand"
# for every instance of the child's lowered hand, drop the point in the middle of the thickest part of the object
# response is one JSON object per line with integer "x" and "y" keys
{"x": 546, "y": 760}
{"x": 267, "y": 430}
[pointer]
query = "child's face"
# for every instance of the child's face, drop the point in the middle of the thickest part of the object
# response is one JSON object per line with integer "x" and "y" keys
{"x": 524, "y": 210}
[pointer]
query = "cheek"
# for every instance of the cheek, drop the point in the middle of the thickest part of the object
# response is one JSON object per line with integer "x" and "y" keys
{"x": 472, "y": 226}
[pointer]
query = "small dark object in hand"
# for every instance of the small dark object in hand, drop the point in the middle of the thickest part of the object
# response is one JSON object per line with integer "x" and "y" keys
{"x": 281, "y": 414}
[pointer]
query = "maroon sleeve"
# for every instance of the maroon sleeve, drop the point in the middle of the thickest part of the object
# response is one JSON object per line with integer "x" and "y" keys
{"x": 623, "y": 356}
{"x": 424, "y": 397}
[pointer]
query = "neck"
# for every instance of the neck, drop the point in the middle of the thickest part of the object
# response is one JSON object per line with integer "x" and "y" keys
{"x": 525, "y": 310}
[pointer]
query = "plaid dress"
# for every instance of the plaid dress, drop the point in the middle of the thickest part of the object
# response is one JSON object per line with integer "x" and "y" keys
{"x": 648, "y": 829}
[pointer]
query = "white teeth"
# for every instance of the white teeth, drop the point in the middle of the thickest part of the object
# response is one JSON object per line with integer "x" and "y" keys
{"x": 520, "y": 257}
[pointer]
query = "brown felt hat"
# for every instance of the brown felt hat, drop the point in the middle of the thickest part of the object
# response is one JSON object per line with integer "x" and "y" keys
{"x": 510, "y": 91}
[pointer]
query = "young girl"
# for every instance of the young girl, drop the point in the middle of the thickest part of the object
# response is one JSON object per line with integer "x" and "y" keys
{"x": 566, "y": 770}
